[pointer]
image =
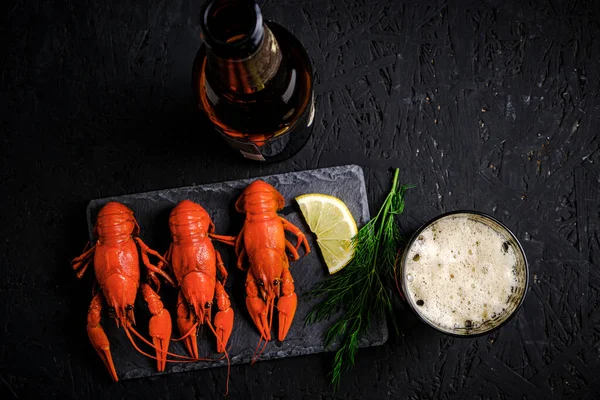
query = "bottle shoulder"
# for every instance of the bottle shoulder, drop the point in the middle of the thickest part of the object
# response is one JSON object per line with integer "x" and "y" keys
{"x": 269, "y": 110}
{"x": 291, "y": 47}
{"x": 294, "y": 58}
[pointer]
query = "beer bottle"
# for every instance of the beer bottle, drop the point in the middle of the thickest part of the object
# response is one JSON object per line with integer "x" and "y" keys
{"x": 254, "y": 81}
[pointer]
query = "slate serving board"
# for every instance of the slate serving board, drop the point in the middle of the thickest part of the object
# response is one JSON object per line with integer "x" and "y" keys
{"x": 152, "y": 210}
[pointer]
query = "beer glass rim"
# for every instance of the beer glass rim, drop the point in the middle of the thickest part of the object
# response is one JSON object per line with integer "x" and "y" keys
{"x": 424, "y": 226}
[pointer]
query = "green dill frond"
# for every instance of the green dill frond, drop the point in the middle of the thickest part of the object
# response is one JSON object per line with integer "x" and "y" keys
{"x": 360, "y": 290}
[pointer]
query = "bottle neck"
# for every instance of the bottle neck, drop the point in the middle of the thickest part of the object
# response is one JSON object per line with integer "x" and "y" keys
{"x": 249, "y": 73}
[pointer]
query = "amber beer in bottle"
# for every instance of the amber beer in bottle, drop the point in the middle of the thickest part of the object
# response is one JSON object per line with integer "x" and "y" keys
{"x": 254, "y": 81}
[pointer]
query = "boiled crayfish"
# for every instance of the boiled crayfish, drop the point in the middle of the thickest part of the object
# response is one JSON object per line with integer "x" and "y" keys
{"x": 262, "y": 240}
{"x": 195, "y": 262}
{"x": 117, "y": 270}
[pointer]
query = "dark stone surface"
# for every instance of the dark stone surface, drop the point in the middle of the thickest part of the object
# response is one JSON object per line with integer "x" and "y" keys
{"x": 152, "y": 210}
{"x": 487, "y": 105}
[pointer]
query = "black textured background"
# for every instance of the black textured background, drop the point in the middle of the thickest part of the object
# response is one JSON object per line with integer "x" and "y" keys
{"x": 490, "y": 105}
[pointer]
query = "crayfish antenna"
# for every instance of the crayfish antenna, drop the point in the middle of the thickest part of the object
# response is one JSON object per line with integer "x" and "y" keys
{"x": 188, "y": 333}
{"x": 226, "y": 354}
{"x": 143, "y": 339}
{"x": 256, "y": 352}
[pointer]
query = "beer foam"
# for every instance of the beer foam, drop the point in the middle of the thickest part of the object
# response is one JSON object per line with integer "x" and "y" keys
{"x": 460, "y": 272}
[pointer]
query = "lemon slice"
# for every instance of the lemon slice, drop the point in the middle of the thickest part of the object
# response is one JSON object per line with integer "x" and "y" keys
{"x": 331, "y": 221}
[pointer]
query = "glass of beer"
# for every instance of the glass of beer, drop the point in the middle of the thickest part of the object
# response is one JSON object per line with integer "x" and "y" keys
{"x": 464, "y": 273}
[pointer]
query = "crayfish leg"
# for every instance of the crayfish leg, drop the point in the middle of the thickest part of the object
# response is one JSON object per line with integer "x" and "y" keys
{"x": 230, "y": 240}
{"x": 292, "y": 250}
{"x": 145, "y": 250}
{"x": 288, "y": 226}
{"x": 240, "y": 259}
{"x": 81, "y": 263}
{"x": 167, "y": 257}
{"x": 97, "y": 335}
{"x": 239, "y": 242}
{"x": 221, "y": 266}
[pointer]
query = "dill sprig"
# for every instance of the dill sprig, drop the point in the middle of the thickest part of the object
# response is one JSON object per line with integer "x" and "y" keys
{"x": 360, "y": 288}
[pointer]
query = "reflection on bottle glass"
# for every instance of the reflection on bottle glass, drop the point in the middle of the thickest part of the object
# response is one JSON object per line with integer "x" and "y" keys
{"x": 254, "y": 81}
